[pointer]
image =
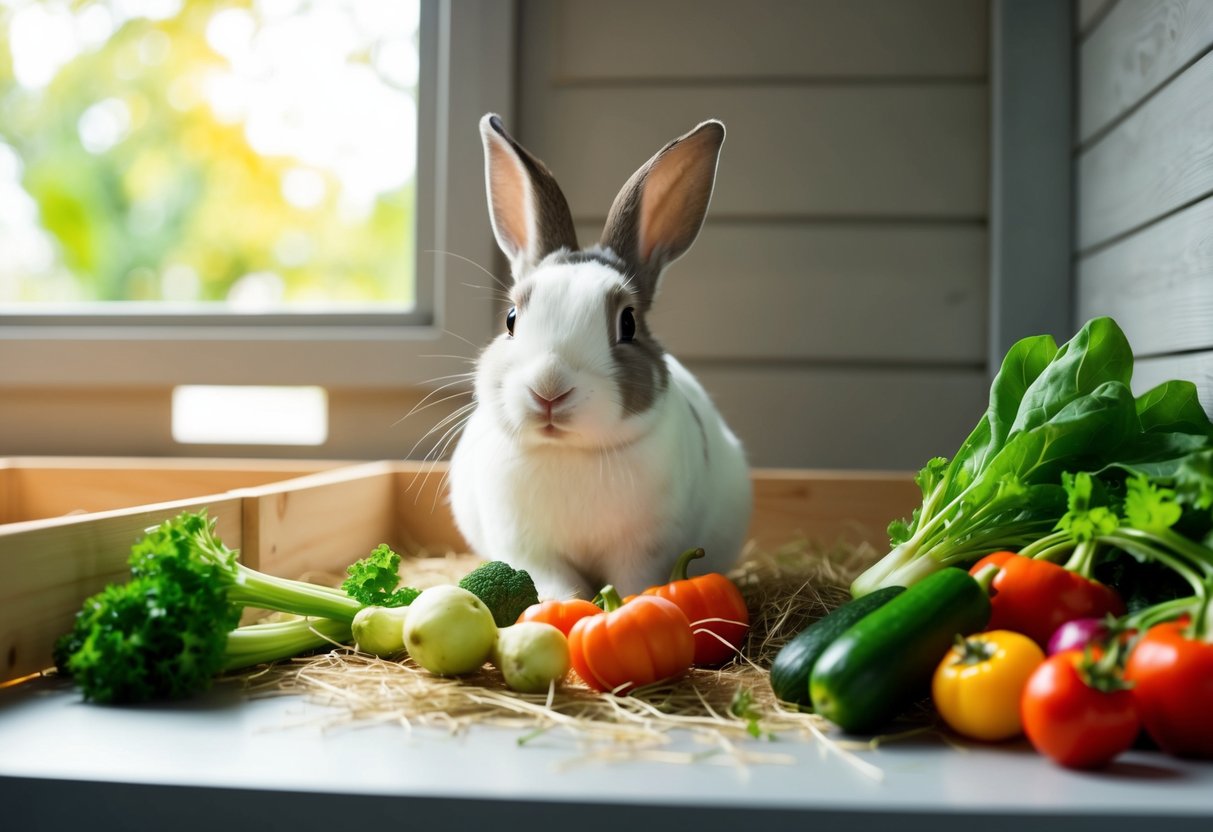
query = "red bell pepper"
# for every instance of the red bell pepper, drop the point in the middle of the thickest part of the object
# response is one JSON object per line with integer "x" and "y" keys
{"x": 1035, "y": 597}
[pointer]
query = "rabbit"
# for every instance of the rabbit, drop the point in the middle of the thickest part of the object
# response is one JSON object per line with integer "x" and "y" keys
{"x": 592, "y": 456}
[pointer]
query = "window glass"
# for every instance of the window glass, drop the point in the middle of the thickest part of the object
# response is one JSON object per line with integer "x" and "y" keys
{"x": 247, "y": 156}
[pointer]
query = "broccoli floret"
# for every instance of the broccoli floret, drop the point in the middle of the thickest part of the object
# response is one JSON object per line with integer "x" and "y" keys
{"x": 165, "y": 633}
{"x": 506, "y": 591}
{"x": 372, "y": 581}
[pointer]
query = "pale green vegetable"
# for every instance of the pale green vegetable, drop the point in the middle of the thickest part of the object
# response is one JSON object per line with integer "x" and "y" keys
{"x": 531, "y": 656}
{"x": 449, "y": 631}
{"x": 380, "y": 630}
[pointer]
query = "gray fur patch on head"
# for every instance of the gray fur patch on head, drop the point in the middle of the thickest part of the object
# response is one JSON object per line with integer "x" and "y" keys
{"x": 640, "y": 371}
{"x": 594, "y": 254}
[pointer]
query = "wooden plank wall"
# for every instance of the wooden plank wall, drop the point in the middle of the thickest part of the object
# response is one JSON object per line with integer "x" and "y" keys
{"x": 1144, "y": 162}
{"x": 835, "y": 304}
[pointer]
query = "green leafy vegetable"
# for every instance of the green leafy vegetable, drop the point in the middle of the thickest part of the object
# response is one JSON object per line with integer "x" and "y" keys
{"x": 1141, "y": 517}
{"x": 506, "y": 591}
{"x": 150, "y": 638}
{"x": 373, "y": 580}
{"x": 1082, "y": 520}
{"x": 169, "y": 630}
{"x": 1052, "y": 410}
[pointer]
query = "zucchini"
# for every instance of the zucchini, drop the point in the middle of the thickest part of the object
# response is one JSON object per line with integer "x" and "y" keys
{"x": 795, "y": 660}
{"x": 881, "y": 663}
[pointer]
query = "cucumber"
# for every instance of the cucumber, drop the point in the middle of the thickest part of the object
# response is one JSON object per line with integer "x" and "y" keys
{"x": 881, "y": 663}
{"x": 795, "y": 660}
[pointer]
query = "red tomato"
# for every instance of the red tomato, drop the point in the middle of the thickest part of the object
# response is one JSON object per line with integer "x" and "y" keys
{"x": 1035, "y": 597}
{"x": 1072, "y": 723}
{"x": 1172, "y": 677}
{"x": 560, "y": 614}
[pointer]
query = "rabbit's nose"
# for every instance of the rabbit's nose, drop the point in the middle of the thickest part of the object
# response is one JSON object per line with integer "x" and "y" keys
{"x": 548, "y": 404}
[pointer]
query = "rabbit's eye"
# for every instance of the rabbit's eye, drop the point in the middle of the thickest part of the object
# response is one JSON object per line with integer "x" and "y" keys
{"x": 627, "y": 326}
{"x": 510, "y": 317}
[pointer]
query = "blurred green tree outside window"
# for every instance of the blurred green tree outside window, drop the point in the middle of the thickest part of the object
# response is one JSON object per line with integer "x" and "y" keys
{"x": 252, "y": 155}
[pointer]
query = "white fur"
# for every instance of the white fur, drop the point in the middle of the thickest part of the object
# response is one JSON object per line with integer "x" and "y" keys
{"x": 614, "y": 497}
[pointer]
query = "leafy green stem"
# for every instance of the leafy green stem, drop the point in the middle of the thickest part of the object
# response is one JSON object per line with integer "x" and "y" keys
{"x": 257, "y": 589}
{"x": 258, "y": 643}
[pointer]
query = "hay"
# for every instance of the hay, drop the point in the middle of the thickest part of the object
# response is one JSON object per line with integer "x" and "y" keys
{"x": 725, "y": 708}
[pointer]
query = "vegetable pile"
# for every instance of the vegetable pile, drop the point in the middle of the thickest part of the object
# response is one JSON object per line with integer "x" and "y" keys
{"x": 1056, "y": 582}
{"x": 173, "y": 626}
{"x": 1051, "y": 411}
{"x": 1081, "y": 518}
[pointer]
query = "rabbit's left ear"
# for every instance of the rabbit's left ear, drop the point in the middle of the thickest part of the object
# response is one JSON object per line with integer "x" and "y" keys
{"x": 658, "y": 213}
{"x": 529, "y": 213}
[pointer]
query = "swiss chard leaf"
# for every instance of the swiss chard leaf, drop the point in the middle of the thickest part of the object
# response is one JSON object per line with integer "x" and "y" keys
{"x": 1075, "y": 434}
{"x": 1023, "y": 364}
{"x": 1098, "y": 354}
{"x": 1173, "y": 407}
{"x": 1027, "y": 359}
{"x": 1156, "y": 455}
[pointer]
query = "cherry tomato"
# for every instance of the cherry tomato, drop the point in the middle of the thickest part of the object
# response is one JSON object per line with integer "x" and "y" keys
{"x": 1071, "y": 722}
{"x": 1172, "y": 676}
{"x": 978, "y": 686}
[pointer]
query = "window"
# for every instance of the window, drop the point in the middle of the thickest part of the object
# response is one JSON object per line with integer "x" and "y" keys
{"x": 244, "y": 157}
{"x": 111, "y": 357}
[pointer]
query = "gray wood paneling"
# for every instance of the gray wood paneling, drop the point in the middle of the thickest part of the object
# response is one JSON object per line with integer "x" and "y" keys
{"x": 1194, "y": 367}
{"x": 786, "y": 39}
{"x": 846, "y": 417}
{"x": 1087, "y": 13}
{"x": 1031, "y": 175}
{"x": 1133, "y": 51}
{"x": 1156, "y": 160}
{"x": 835, "y": 303}
{"x": 852, "y": 151}
{"x": 1144, "y": 217}
{"x": 819, "y": 291}
{"x": 1158, "y": 284}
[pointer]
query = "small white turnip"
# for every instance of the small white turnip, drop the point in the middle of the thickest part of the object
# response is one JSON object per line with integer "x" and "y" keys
{"x": 449, "y": 631}
{"x": 380, "y": 630}
{"x": 531, "y": 655}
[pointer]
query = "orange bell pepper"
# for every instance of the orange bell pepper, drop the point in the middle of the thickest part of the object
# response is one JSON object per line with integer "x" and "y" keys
{"x": 635, "y": 644}
{"x": 714, "y": 606}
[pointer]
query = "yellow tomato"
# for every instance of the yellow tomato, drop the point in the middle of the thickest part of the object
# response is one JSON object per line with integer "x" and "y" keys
{"x": 978, "y": 685}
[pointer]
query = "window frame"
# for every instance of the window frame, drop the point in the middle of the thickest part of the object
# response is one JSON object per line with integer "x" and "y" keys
{"x": 466, "y": 69}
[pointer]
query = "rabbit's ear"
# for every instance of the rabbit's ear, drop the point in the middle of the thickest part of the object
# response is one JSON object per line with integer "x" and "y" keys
{"x": 660, "y": 210}
{"x": 529, "y": 213}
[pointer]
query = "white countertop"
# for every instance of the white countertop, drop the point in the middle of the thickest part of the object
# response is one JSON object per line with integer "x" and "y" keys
{"x": 54, "y": 746}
